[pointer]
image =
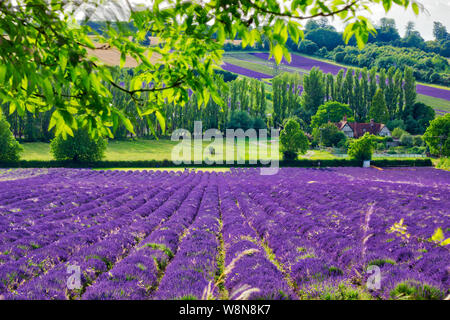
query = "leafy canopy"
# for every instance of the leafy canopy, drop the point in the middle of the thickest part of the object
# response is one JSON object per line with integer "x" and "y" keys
{"x": 437, "y": 136}
{"x": 293, "y": 140}
{"x": 329, "y": 135}
{"x": 378, "y": 110}
{"x": 9, "y": 148}
{"x": 332, "y": 111}
{"x": 362, "y": 148}
{"x": 44, "y": 60}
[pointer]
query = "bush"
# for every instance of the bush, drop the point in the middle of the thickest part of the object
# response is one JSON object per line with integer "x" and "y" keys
{"x": 240, "y": 120}
{"x": 444, "y": 163}
{"x": 362, "y": 148}
{"x": 437, "y": 136}
{"x": 414, "y": 290}
{"x": 416, "y": 150}
{"x": 406, "y": 140}
{"x": 397, "y": 123}
{"x": 422, "y": 116}
{"x": 307, "y": 46}
{"x": 380, "y": 146}
{"x": 329, "y": 135}
{"x": 343, "y": 144}
{"x": 227, "y": 76}
{"x": 339, "y": 57}
{"x": 398, "y": 132}
{"x": 259, "y": 123}
{"x": 417, "y": 141}
{"x": 9, "y": 148}
{"x": 293, "y": 140}
{"x": 79, "y": 148}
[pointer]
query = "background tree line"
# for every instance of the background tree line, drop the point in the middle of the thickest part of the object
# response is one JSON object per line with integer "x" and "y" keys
{"x": 388, "y": 97}
{"x": 245, "y": 98}
{"x": 385, "y": 49}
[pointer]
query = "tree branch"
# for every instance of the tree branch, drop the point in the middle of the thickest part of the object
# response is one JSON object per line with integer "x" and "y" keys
{"x": 176, "y": 84}
{"x": 320, "y": 14}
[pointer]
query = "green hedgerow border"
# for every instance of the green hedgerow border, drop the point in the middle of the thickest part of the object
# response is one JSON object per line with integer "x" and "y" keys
{"x": 304, "y": 163}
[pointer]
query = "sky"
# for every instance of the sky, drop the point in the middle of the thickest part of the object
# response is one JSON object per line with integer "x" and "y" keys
{"x": 435, "y": 10}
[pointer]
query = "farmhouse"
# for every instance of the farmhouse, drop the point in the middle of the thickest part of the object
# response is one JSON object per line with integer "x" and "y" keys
{"x": 356, "y": 130}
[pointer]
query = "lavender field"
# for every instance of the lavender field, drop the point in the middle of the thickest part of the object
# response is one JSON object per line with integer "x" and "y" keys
{"x": 301, "y": 234}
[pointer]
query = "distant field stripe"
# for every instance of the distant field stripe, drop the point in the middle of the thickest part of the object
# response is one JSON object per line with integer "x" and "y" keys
{"x": 245, "y": 72}
{"x": 251, "y": 60}
{"x": 433, "y": 92}
{"x": 436, "y": 103}
{"x": 305, "y": 63}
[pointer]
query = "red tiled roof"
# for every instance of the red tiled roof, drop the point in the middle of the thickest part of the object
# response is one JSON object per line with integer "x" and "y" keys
{"x": 359, "y": 129}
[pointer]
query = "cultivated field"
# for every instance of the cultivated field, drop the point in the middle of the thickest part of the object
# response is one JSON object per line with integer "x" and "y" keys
{"x": 303, "y": 233}
{"x": 257, "y": 65}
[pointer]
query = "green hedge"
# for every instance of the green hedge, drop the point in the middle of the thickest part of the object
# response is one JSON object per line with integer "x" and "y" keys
{"x": 170, "y": 164}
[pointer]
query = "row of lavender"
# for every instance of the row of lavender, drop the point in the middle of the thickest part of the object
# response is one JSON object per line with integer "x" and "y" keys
{"x": 304, "y": 233}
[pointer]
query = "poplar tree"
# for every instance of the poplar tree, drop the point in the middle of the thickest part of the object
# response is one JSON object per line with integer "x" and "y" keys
{"x": 410, "y": 92}
{"x": 338, "y": 92}
{"x": 382, "y": 82}
{"x": 365, "y": 100}
{"x": 347, "y": 89}
{"x": 378, "y": 110}
{"x": 390, "y": 93}
{"x": 330, "y": 85}
{"x": 372, "y": 85}
{"x": 398, "y": 84}
{"x": 357, "y": 99}
{"x": 313, "y": 91}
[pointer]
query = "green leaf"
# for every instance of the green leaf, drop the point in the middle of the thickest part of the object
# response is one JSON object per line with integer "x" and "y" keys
{"x": 220, "y": 33}
{"x": 12, "y": 107}
{"x": 278, "y": 53}
{"x": 54, "y": 120}
{"x": 127, "y": 123}
{"x": 123, "y": 58}
{"x": 161, "y": 120}
{"x": 387, "y": 5}
{"x": 415, "y": 8}
{"x": 293, "y": 31}
{"x": 63, "y": 60}
{"x": 3, "y": 70}
{"x": 48, "y": 89}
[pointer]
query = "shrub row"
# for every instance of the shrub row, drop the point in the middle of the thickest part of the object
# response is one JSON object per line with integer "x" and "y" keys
{"x": 170, "y": 164}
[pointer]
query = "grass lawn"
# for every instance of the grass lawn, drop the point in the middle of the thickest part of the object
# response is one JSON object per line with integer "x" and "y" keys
{"x": 162, "y": 150}
{"x": 250, "y": 65}
{"x": 154, "y": 150}
{"x": 435, "y": 103}
{"x": 36, "y": 151}
{"x": 318, "y": 155}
